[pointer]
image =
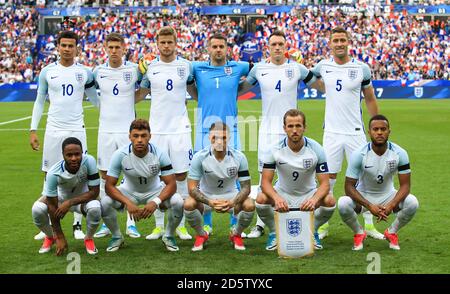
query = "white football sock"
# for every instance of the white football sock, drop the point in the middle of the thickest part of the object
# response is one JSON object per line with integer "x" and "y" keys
{"x": 346, "y": 208}
{"x": 407, "y": 211}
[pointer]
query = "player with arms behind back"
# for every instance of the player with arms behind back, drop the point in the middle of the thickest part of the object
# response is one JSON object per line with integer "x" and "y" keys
{"x": 344, "y": 78}
{"x": 168, "y": 78}
{"x": 116, "y": 80}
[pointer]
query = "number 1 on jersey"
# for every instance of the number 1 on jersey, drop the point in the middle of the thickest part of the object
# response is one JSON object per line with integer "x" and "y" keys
{"x": 217, "y": 83}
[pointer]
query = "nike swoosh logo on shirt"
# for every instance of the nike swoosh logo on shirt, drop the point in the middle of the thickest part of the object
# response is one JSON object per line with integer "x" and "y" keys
{"x": 208, "y": 171}
{"x": 128, "y": 168}
{"x": 280, "y": 163}
{"x": 328, "y": 71}
{"x": 155, "y": 73}
{"x": 368, "y": 166}
{"x": 263, "y": 74}
{"x": 103, "y": 77}
{"x": 53, "y": 77}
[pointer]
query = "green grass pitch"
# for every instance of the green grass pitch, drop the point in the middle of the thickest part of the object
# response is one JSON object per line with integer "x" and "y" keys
{"x": 422, "y": 127}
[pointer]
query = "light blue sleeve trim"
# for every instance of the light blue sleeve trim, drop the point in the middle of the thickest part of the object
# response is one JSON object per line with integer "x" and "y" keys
{"x": 38, "y": 109}
{"x": 354, "y": 165}
{"x": 51, "y": 185}
{"x": 316, "y": 69}
{"x": 251, "y": 77}
{"x": 115, "y": 166}
{"x": 196, "y": 168}
{"x": 92, "y": 169}
{"x": 164, "y": 161}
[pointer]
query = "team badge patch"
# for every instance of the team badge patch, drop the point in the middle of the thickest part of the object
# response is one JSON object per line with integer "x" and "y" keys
{"x": 391, "y": 165}
{"x": 79, "y": 77}
{"x": 181, "y": 71}
{"x": 232, "y": 171}
{"x": 154, "y": 169}
{"x": 294, "y": 226}
{"x": 228, "y": 70}
{"x": 352, "y": 74}
{"x": 127, "y": 76}
{"x": 289, "y": 73}
{"x": 82, "y": 177}
{"x": 307, "y": 163}
{"x": 418, "y": 92}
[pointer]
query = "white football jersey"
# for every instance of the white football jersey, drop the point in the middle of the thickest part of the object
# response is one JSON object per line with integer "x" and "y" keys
{"x": 65, "y": 87}
{"x": 167, "y": 83}
{"x": 296, "y": 170}
{"x": 219, "y": 177}
{"x": 343, "y": 83}
{"x": 278, "y": 85}
{"x": 61, "y": 183}
{"x": 140, "y": 175}
{"x": 117, "y": 87}
{"x": 375, "y": 173}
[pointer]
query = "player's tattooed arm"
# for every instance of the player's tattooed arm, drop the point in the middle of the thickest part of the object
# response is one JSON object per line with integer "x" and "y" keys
{"x": 199, "y": 196}
{"x": 243, "y": 193}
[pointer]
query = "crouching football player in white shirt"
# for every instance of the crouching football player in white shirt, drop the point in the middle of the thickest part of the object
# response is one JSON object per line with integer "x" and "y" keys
{"x": 212, "y": 185}
{"x": 369, "y": 185}
{"x": 144, "y": 167}
{"x": 298, "y": 161}
{"x": 71, "y": 184}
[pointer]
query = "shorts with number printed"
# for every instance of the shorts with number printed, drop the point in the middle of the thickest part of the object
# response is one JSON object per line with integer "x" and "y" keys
{"x": 178, "y": 147}
{"x": 52, "y": 150}
{"x": 336, "y": 145}
{"x": 107, "y": 144}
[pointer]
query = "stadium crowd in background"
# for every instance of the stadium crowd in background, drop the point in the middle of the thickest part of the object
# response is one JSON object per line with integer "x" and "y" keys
{"x": 396, "y": 45}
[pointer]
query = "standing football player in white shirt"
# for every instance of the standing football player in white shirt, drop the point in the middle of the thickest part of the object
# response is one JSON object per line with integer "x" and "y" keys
{"x": 369, "y": 185}
{"x": 65, "y": 83}
{"x": 167, "y": 78}
{"x": 345, "y": 78}
{"x": 72, "y": 184}
{"x": 212, "y": 185}
{"x": 299, "y": 161}
{"x": 117, "y": 81}
{"x": 145, "y": 168}
{"x": 278, "y": 79}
